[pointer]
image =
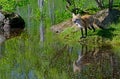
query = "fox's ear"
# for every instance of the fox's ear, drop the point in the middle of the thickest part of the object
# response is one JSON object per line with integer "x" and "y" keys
{"x": 78, "y": 15}
{"x": 73, "y": 15}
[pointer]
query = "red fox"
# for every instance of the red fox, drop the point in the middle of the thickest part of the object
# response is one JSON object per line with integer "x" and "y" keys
{"x": 84, "y": 22}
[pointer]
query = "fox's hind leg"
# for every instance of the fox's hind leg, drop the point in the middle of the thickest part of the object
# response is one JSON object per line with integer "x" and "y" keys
{"x": 89, "y": 28}
{"x": 99, "y": 24}
{"x": 92, "y": 27}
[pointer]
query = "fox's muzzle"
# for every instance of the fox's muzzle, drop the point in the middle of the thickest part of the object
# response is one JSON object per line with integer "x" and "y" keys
{"x": 78, "y": 23}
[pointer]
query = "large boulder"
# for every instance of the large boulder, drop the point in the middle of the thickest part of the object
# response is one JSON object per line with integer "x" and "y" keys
{"x": 107, "y": 16}
{"x": 16, "y": 20}
{"x": 12, "y": 24}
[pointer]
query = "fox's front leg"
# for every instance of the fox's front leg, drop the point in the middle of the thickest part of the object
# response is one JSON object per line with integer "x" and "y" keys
{"x": 85, "y": 32}
{"x": 82, "y": 33}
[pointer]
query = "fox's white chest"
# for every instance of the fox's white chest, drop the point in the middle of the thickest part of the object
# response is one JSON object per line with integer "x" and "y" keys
{"x": 79, "y": 25}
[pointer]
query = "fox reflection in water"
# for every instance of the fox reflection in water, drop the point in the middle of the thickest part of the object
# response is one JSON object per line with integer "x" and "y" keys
{"x": 97, "y": 60}
{"x": 85, "y": 57}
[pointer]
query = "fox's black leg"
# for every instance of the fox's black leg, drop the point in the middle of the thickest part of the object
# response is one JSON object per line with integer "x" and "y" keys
{"x": 82, "y": 33}
{"x": 89, "y": 28}
{"x": 93, "y": 28}
{"x": 85, "y": 31}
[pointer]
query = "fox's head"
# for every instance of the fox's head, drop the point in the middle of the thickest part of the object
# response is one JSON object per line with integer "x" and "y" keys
{"x": 77, "y": 20}
{"x": 75, "y": 17}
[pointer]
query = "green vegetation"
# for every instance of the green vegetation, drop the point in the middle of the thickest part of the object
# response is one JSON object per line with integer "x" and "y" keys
{"x": 10, "y": 5}
{"x": 26, "y": 57}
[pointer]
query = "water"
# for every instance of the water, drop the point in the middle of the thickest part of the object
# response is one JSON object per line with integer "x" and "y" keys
{"x": 27, "y": 57}
{"x": 21, "y": 60}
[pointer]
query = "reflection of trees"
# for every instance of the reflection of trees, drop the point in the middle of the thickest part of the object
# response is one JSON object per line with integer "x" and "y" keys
{"x": 60, "y": 60}
{"x": 40, "y": 4}
{"x": 95, "y": 62}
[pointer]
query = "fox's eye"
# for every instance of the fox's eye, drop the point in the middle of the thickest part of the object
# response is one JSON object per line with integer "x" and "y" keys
{"x": 76, "y": 20}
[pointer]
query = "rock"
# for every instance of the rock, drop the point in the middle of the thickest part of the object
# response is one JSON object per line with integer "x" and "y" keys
{"x": 107, "y": 16}
{"x": 61, "y": 26}
{"x": 16, "y": 20}
{"x": 1, "y": 17}
{"x": 6, "y": 28}
{"x": 12, "y": 24}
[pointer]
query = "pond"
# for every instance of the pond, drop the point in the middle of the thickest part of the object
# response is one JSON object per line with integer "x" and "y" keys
{"x": 26, "y": 57}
